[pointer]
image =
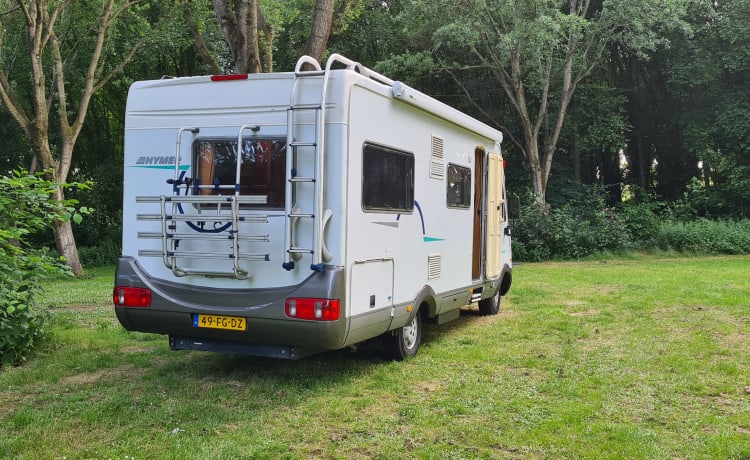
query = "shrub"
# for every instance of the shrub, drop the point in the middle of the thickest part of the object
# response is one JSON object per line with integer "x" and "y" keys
{"x": 99, "y": 256}
{"x": 574, "y": 230}
{"x": 642, "y": 222}
{"x": 705, "y": 236}
{"x": 26, "y": 207}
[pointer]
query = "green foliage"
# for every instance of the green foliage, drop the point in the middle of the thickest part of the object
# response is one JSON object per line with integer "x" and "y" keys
{"x": 104, "y": 254}
{"x": 580, "y": 227}
{"x": 26, "y": 207}
{"x": 642, "y": 222}
{"x": 705, "y": 74}
{"x": 705, "y": 236}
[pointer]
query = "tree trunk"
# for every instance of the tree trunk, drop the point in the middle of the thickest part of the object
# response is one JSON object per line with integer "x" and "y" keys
{"x": 321, "y": 29}
{"x": 538, "y": 175}
{"x": 239, "y": 23}
{"x": 66, "y": 245}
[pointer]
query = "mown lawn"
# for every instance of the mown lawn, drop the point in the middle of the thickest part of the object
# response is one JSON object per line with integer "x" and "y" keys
{"x": 643, "y": 358}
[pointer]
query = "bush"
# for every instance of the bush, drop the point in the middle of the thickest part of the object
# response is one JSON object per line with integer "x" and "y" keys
{"x": 577, "y": 229}
{"x": 26, "y": 207}
{"x": 21, "y": 324}
{"x": 106, "y": 253}
{"x": 642, "y": 222}
{"x": 705, "y": 236}
{"x": 583, "y": 226}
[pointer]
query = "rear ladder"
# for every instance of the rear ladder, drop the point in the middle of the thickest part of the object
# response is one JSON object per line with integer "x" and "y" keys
{"x": 311, "y": 209}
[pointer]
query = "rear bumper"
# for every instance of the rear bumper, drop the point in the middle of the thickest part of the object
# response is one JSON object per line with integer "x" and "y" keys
{"x": 174, "y": 305}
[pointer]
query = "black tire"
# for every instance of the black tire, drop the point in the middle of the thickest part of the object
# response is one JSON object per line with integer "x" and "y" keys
{"x": 403, "y": 343}
{"x": 490, "y": 305}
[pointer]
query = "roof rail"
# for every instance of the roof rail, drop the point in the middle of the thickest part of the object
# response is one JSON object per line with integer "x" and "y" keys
{"x": 306, "y": 60}
{"x": 351, "y": 65}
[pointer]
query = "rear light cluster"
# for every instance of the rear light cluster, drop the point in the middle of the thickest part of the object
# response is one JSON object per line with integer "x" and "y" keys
{"x": 313, "y": 309}
{"x": 131, "y": 297}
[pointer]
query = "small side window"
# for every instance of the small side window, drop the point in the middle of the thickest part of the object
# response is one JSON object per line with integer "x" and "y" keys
{"x": 387, "y": 179}
{"x": 458, "y": 187}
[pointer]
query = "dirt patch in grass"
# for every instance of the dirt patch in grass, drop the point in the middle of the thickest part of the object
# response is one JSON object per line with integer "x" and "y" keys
{"x": 584, "y": 313}
{"x": 10, "y": 403}
{"x": 89, "y": 378}
{"x": 136, "y": 349}
{"x": 737, "y": 341}
{"x": 79, "y": 307}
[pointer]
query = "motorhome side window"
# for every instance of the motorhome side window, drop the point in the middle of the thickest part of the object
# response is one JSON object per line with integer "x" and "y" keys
{"x": 262, "y": 169}
{"x": 458, "y": 187}
{"x": 387, "y": 179}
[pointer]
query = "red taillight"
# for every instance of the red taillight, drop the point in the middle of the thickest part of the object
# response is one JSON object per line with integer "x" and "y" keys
{"x": 131, "y": 297}
{"x": 505, "y": 164}
{"x": 241, "y": 76}
{"x": 313, "y": 309}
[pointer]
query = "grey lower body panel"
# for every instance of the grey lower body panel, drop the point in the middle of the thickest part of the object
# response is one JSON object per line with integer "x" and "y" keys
{"x": 269, "y": 331}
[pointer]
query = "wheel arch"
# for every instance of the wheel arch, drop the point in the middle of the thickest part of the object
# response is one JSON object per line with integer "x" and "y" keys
{"x": 506, "y": 280}
{"x": 426, "y": 302}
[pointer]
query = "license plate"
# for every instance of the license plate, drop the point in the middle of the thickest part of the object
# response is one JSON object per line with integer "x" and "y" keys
{"x": 230, "y": 323}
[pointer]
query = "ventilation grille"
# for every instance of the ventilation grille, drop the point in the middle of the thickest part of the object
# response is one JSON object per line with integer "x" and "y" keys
{"x": 434, "y": 266}
{"x": 437, "y": 158}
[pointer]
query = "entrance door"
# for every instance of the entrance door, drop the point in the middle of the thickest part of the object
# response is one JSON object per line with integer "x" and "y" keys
{"x": 476, "y": 260}
{"x": 494, "y": 226}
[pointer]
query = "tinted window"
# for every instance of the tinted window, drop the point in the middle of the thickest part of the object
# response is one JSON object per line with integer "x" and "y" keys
{"x": 387, "y": 179}
{"x": 458, "y": 185}
{"x": 262, "y": 172}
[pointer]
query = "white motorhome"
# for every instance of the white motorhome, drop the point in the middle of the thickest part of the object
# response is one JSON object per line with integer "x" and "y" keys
{"x": 285, "y": 214}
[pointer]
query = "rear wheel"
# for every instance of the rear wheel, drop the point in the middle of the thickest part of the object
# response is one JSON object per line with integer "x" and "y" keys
{"x": 404, "y": 342}
{"x": 491, "y": 305}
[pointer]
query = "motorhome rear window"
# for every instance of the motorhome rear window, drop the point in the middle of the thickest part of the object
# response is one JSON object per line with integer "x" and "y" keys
{"x": 262, "y": 169}
{"x": 458, "y": 185}
{"x": 387, "y": 179}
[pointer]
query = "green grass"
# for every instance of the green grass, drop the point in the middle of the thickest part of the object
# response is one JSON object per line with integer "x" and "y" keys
{"x": 640, "y": 358}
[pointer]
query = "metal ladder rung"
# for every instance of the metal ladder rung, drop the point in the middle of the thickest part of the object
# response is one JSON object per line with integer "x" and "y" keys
{"x": 205, "y": 199}
{"x": 206, "y": 186}
{"x": 296, "y": 250}
{"x": 202, "y": 218}
{"x": 201, "y": 236}
{"x": 302, "y": 179}
{"x": 204, "y": 255}
{"x": 305, "y": 107}
{"x": 302, "y": 214}
{"x": 304, "y": 144}
{"x": 241, "y": 275}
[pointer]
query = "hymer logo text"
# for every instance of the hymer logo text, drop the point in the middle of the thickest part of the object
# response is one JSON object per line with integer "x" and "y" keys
{"x": 161, "y": 160}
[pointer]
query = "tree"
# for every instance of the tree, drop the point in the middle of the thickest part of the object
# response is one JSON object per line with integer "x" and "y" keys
{"x": 706, "y": 78}
{"x": 69, "y": 49}
{"x": 250, "y": 27}
{"x": 242, "y": 24}
{"x": 539, "y": 52}
{"x": 320, "y": 30}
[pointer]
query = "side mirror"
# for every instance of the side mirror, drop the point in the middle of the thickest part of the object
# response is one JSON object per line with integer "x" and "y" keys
{"x": 514, "y": 207}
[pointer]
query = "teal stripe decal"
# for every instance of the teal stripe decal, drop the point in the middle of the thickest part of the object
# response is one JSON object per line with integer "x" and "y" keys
{"x": 429, "y": 239}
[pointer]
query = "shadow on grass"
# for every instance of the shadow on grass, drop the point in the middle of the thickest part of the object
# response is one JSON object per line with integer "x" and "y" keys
{"x": 329, "y": 369}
